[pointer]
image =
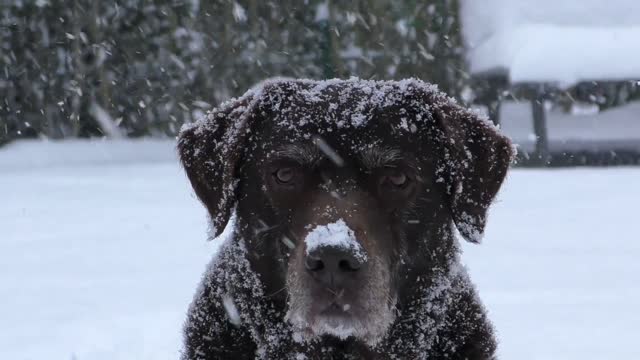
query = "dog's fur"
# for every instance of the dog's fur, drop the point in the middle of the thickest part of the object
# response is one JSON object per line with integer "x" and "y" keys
{"x": 342, "y": 140}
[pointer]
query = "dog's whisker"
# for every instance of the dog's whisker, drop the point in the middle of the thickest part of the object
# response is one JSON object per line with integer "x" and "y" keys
{"x": 333, "y": 292}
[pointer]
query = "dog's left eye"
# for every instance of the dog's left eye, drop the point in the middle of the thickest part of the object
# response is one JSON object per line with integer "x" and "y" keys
{"x": 398, "y": 179}
{"x": 395, "y": 178}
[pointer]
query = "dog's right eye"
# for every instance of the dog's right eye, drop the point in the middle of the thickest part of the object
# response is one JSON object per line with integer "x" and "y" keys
{"x": 285, "y": 175}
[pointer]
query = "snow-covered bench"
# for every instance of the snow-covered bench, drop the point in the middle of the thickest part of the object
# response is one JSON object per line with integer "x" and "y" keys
{"x": 536, "y": 47}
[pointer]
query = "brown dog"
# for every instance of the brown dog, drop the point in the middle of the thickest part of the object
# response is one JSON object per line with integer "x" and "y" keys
{"x": 345, "y": 196}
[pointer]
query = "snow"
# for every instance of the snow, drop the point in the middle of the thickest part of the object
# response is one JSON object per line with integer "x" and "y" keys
{"x": 328, "y": 151}
{"x": 27, "y": 155}
{"x": 231, "y": 310}
{"x": 363, "y": 97}
{"x": 107, "y": 124}
{"x": 322, "y": 12}
{"x": 557, "y": 41}
{"x": 239, "y": 14}
{"x": 558, "y": 267}
{"x": 97, "y": 260}
{"x": 336, "y": 234}
{"x": 101, "y": 260}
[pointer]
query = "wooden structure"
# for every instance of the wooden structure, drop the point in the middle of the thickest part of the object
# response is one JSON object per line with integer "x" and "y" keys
{"x": 538, "y": 50}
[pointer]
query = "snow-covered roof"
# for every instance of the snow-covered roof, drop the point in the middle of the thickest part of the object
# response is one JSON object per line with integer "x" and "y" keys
{"x": 562, "y": 41}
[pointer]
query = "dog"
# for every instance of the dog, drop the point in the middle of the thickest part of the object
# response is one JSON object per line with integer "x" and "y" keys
{"x": 343, "y": 201}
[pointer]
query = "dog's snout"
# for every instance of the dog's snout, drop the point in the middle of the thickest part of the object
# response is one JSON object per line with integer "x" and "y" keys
{"x": 332, "y": 266}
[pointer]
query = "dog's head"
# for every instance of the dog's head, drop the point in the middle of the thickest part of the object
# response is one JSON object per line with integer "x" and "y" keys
{"x": 345, "y": 191}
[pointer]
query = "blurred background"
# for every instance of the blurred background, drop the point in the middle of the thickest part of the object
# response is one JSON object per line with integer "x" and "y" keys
{"x": 82, "y": 68}
{"x": 102, "y": 240}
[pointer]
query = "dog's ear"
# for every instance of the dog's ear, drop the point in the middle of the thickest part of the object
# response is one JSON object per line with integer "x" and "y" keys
{"x": 211, "y": 151}
{"x": 474, "y": 163}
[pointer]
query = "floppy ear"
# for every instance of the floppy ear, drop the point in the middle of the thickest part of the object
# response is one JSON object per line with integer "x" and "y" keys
{"x": 211, "y": 151}
{"x": 475, "y": 162}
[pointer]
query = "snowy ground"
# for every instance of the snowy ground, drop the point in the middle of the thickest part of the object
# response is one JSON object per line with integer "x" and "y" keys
{"x": 100, "y": 255}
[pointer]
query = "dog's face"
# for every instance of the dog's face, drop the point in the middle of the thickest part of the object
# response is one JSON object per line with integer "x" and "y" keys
{"x": 344, "y": 194}
{"x": 341, "y": 202}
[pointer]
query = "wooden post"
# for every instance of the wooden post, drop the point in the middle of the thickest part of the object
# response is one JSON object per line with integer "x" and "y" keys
{"x": 494, "y": 111}
{"x": 489, "y": 92}
{"x": 541, "y": 154}
{"x": 4, "y": 133}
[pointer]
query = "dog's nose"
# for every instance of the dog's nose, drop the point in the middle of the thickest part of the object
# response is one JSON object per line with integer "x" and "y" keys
{"x": 332, "y": 266}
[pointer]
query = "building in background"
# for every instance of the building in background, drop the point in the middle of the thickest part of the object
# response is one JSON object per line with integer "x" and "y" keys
{"x": 563, "y": 53}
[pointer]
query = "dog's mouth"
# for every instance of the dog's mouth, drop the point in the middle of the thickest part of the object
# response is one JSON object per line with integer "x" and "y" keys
{"x": 337, "y": 313}
{"x": 334, "y": 305}
{"x": 342, "y": 318}
{"x": 336, "y": 308}
{"x": 336, "y": 318}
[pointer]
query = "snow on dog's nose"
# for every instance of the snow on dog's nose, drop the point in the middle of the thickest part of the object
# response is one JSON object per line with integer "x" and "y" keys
{"x": 333, "y": 254}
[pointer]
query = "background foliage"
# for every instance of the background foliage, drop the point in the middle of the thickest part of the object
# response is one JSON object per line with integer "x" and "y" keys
{"x": 133, "y": 67}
